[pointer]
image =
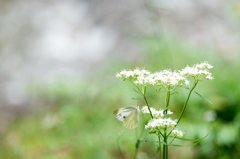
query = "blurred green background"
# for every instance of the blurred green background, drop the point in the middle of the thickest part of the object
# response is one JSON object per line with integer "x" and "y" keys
{"x": 61, "y": 114}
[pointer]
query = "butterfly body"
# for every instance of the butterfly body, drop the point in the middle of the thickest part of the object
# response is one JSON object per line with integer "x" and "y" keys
{"x": 128, "y": 115}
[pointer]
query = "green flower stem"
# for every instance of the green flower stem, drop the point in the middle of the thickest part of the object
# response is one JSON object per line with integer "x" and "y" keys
{"x": 195, "y": 84}
{"x": 164, "y": 151}
{"x": 147, "y": 105}
{"x": 174, "y": 88}
{"x": 165, "y": 146}
{"x": 143, "y": 94}
{"x": 168, "y": 96}
{"x": 159, "y": 133}
{"x": 135, "y": 153}
{"x": 136, "y": 148}
{"x": 184, "y": 107}
{"x": 171, "y": 141}
{"x": 119, "y": 149}
{"x": 160, "y": 147}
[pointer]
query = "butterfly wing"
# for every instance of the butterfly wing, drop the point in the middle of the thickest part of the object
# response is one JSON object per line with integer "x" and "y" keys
{"x": 122, "y": 113}
{"x": 132, "y": 119}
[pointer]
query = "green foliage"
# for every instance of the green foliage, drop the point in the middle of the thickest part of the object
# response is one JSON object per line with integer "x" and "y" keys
{"x": 199, "y": 95}
{"x": 197, "y": 141}
{"x": 138, "y": 143}
{"x": 77, "y": 119}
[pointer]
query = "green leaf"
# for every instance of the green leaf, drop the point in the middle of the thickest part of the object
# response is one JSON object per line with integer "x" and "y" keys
{"x": 158, "y": 149}
{"x": 137, "y": 91}
{"x": 196, "y": 141}
{"x": 153, "y": 142}
{"x": 165, "y": 113}
{"x": 202, "y": 97}
{"x": 158, "y": 90}
{"x": 152, "y": 132}
{"x": 185, "y": 145}
{"x": 136, "y": 98}
{"x": 138, "y": 143}
{"x": 199, "y": 95}
{"x": 174, "y": 93}
{"x": 190, "y": 139}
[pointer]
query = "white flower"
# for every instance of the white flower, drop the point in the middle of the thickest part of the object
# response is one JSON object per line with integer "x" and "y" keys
{"x": 198, "y": 71}
{"x": 150, "y": 79}
{"x": 137, "y": 76}
{"x": 171, "y": 123}
{"x": 174, "y": 82}
{"x": 200, "y": 66}
{"x": 204, "y": 65}
{"x": 205, "y": 72}
{"x": 118, "y": 75}
{"x": 129, "y": 74}
{"x": 209, "y": 77}
{"x": 187, "y": 82}
{"x": 155, "y": 113}
{"x": 145, "y": 109}
{"x": 140, "y": 80}
{"x": 145, "y": 72}
{"x": 168, "y": 78}
{"x": 161, "y": 123}
{"x": 137, "y": 72}
{"x": 177, "y": 133}
{"x": 169, "y": 112}
{"x": 209, "y": 66}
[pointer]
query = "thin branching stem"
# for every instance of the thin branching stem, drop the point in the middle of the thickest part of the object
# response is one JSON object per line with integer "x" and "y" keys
{"x": 136, "y": 147}
{"x": 195, "y": 84}
{"x": 171, "y": 141}
{"x": 135, "y": 153}
{"x": 119, "y": 149}
{"x": 168, "y": 97}
{"x": 165, "y": 146}
{"x": 164, "y": 151}
{"x": 184, "y": 107}
{"x": 143, "y": 94}
{"x": 160, "y": 147}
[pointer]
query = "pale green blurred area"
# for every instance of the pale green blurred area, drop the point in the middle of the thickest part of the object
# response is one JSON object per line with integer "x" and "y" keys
{"x": 70, "y": 117}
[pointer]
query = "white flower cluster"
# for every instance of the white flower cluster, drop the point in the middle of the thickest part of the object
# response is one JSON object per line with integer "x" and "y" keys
{"x": 160, "y": 123}
{"x": 201, "y": 71}
{"x": 155, "y": 113}
{"x": 135, "y": 74}
{"x": 158, "y": 120}
{"x": 167, "y": 77}
{"x": 177, "y": 133}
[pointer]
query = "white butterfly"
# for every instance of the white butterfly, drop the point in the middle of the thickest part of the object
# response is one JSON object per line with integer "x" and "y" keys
{"x": 128, "y": 115}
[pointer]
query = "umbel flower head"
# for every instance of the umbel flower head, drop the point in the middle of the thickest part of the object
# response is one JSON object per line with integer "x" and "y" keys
{"x": 177, "y": 133}
{"x": 199, "y": 71}
{"x": 133, "y": 74}
{"x": 159, "y": 122}
{"x": 168, "y": 77}
{"x": 155, "y": 113}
